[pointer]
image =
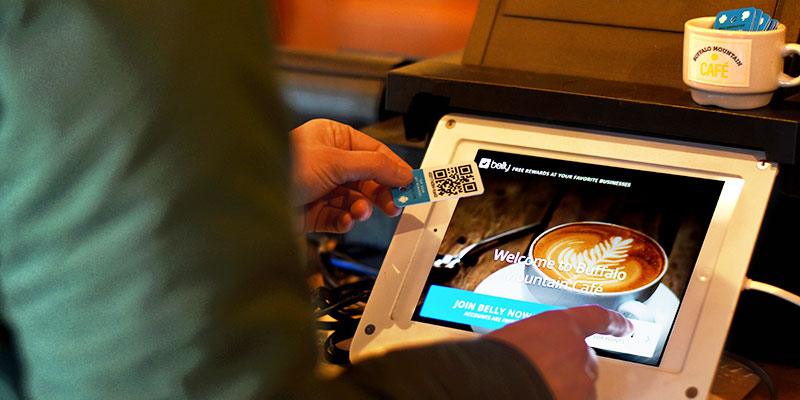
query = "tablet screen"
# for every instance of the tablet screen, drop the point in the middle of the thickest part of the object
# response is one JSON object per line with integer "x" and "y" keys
{"x": 550, "y": 234}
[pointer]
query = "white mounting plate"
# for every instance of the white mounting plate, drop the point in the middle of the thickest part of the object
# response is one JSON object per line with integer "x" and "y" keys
{"x": 694, "y": 347}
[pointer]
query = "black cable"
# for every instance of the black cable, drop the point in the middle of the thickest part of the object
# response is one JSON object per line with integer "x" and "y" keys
{"x": 341, "y": 299}
{"x": 327, "y": 325}
{"x": 773, "y": 391}
{"x": 343, "y": 304}
{"x": 334, "y": 354}
{"x": 340, "y": 304}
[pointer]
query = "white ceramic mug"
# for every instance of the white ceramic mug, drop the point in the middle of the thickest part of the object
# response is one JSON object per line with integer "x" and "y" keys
{"x": 734, "y": 69}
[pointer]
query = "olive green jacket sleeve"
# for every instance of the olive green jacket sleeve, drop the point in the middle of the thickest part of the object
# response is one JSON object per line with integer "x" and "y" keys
{"x": 145, "y": 244}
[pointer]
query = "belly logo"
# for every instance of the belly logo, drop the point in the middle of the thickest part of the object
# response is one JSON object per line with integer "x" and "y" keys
{"x": 484, "y": 163}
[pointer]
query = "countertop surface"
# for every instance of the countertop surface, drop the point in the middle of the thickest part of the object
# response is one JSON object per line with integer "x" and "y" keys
{"x": 443, "y": 85}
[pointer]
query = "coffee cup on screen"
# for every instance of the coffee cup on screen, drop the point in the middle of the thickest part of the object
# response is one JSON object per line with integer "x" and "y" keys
{"x": 734, "y": 69}
{"x": 589, "y": 262}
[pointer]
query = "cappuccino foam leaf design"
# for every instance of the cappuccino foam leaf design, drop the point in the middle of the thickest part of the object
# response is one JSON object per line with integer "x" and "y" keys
{"x": 608, "y": 253}
{"x": 601, "y": 265}
{"x": 600, "y": 257}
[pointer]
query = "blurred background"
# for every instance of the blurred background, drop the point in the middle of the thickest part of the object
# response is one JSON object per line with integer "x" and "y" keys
{"x": 334, "y": 55}
{"x": 409, "y": 28}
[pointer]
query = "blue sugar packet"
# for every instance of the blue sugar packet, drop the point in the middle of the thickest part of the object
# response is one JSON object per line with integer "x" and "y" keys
{"x": 440, "y": 183}
{"x": 740, "y": 19}
{"x": 763, "y": 22}
{"x": 757, "y": 19}
{"x": 744, "y": 19}
{"x": 773, "y": 24}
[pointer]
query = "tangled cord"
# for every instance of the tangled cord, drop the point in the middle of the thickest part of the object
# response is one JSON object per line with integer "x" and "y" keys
{"x": 344, "y": 305}
{"x": 340, "y": 302}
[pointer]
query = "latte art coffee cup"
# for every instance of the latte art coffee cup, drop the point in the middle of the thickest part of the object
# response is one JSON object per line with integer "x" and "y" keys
{"x": 595, "y": 263}
{"x": 608, "y": 257}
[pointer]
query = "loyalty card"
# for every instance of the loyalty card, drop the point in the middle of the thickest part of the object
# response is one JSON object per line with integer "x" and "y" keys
{"x": 740, "y": 19}
{"x": 440, "y": 183}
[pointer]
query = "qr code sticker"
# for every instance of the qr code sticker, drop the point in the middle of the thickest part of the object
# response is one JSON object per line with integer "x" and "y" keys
{"x": 453, "y": 181}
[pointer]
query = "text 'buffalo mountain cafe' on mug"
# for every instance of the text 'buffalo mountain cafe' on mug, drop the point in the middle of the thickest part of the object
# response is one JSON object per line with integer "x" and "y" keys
{"x": 734, "y": 69}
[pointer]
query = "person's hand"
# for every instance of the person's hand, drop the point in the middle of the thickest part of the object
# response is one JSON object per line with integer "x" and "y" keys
{"x": 554, "y": 342}
{"x": 340, "y": 173}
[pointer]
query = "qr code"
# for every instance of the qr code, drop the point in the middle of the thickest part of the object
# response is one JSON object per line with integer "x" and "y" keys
{"x": 453, "y": 181}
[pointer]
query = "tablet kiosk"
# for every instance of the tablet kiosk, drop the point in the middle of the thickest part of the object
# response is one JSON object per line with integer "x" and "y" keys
{"x": 661, "y": 231}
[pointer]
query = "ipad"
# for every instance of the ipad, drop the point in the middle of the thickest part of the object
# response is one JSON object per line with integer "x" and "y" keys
{"x": 660, "y": 231}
